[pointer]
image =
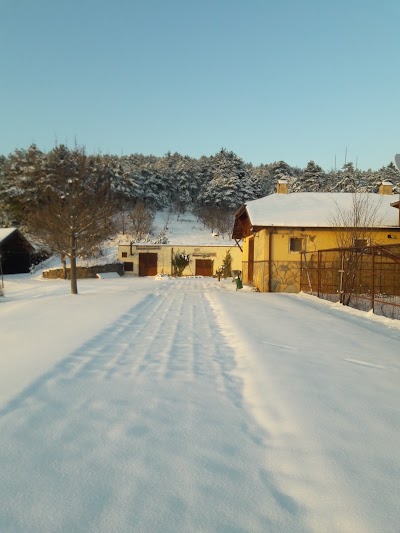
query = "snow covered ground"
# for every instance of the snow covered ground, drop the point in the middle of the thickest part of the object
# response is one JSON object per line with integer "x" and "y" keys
{"x": 184, "y": 229}
{"x": 186, "y": 406}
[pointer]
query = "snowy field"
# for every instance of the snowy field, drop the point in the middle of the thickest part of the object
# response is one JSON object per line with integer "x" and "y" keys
{"x": 186, "y": 406}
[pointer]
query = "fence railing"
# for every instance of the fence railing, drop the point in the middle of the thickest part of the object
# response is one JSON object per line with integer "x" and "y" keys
{"x": 365, "y": 278}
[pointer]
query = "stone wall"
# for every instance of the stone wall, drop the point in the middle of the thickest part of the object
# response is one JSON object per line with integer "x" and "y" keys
{"x": 85, "y": 272}
{"x": 285, "y": 275}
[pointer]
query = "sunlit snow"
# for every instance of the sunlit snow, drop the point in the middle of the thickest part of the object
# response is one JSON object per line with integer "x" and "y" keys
{"x": 188, "y": 406}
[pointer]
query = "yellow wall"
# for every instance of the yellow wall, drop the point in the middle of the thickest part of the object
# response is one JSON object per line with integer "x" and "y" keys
{"x": 285, "y": 265}
{"x": 317, "y": 239}
{"x": 164, "y": 252}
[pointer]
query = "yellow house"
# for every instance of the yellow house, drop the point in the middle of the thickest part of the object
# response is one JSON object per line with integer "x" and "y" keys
{"x": 277, "y": 229}
{"x": 153, "y": 259}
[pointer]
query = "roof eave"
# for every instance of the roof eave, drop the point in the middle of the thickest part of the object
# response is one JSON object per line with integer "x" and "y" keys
{"x": 239, "y": 231}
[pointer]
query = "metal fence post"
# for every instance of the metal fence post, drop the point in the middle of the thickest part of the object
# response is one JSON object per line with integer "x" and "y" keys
{"x": 319, "y": 273}
{"x": 373, "y": 281}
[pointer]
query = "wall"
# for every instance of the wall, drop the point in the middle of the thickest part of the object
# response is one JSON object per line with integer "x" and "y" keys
{"x": 285, "y": 265}
{"x": 16, "y": 254}
{"x": 164, "y": 252}
{"x": 84, "y": 272}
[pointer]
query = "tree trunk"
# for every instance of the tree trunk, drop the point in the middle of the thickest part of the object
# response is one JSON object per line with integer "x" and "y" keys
{"x": 64, "y": 266}
{"x": 72, "y": 258}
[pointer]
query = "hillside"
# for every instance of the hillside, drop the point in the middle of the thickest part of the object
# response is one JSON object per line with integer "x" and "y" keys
{"x": 179, "y": 230}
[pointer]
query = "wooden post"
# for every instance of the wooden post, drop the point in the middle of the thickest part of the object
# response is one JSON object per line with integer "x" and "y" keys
{"x": 341, "y": 272}
{"x": 270, "y": 261}
{"x": 319, "y": 273}
{"x": 373, "y": 282}
{"x": 72, "y": 260}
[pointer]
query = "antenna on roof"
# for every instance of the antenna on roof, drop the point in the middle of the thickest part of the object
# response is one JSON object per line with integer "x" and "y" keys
{"x": 345, "y": 156}
{"x": 397, "y": 161}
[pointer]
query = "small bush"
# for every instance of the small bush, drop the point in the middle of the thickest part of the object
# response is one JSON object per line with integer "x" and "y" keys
{"x": 179, "y": 262}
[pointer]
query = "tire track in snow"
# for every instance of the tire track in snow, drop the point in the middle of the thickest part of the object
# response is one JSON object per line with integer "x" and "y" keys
{"x": 142, "y": 428}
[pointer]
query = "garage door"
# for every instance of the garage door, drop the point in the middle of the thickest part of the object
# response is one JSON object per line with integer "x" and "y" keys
{"x": 204, "y": 267}
{"x": 147, "y": 264}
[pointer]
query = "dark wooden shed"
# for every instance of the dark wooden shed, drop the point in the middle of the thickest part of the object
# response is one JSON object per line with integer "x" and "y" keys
{"x": 15, "y": 251}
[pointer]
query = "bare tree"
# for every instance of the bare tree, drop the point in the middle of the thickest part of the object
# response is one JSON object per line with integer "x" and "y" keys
{"x": 354, "y": 232}
{"x": 141, "y": 220}
{"x": 75, "y": 212}
{"x": 216, "y": 218}
{"x": 224, "y": 219}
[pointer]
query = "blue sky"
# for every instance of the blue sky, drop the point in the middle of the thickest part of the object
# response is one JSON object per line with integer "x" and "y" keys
{"x": 289, "y": 79}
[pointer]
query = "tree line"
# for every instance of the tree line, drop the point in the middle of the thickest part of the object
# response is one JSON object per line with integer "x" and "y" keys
{"x": 181, "y": 183}
{"x": 70, "y": 200}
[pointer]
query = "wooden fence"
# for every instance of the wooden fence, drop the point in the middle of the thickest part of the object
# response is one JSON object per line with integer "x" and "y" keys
{"x": 366, "y": 278}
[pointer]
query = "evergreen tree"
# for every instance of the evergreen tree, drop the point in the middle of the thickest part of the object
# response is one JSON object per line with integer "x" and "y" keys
{"x": 390, "y": 173}
{"x": 121, "y": 179}
{"x": 226, "y": 268}
{"x": 229, "y": 186}
{"x": 280, "y": 171}
{"x": 264, "y": 181}
{"x": 346, "y": 179}
{"x": 153, "y": 185}
{"x": 22, "y": 171}
{"x": 312, "y": 177}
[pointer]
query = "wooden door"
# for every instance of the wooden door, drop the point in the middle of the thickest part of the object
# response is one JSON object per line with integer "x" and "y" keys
{"x": 251, "y": 260}
{"x": 147, "y": 264}
{"x": 204, "y": 267}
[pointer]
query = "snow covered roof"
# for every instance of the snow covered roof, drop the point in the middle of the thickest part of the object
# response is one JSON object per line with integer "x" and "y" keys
{"x": 315, "y": 209}
{"x": 6, "y": 232}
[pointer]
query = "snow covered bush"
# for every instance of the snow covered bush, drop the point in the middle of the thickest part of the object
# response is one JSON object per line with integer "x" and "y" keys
{"x": 179, "y": 262}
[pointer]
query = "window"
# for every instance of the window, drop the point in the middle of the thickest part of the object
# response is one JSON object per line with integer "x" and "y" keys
{"x": 124, "y": 254}
{"x": 360, "y": 243}
{"x": 128, "y": 266}
{"x": 296, "y": 244}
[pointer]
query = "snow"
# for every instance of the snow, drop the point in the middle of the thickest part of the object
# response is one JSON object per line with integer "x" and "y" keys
{"x": 189, "y": 406}
{"x": 5, "y": 232}
{"x": 183, "y": 230}
{"x": 107, "y": 275}
{"x": 316, "y": 209}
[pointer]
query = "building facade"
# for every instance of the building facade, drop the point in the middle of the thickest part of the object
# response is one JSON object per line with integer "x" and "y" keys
{"x": 152, "y": 259}
{"x": 15, "y": 252}
{"x": 278, "y": 229}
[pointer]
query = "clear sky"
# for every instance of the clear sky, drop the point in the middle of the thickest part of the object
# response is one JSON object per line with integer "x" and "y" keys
{"x": 269, "y": 79}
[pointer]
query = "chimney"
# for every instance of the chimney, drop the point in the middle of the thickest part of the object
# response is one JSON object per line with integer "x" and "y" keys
{"x": 281, "y": 187}
{"x": 386, "y": 188}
